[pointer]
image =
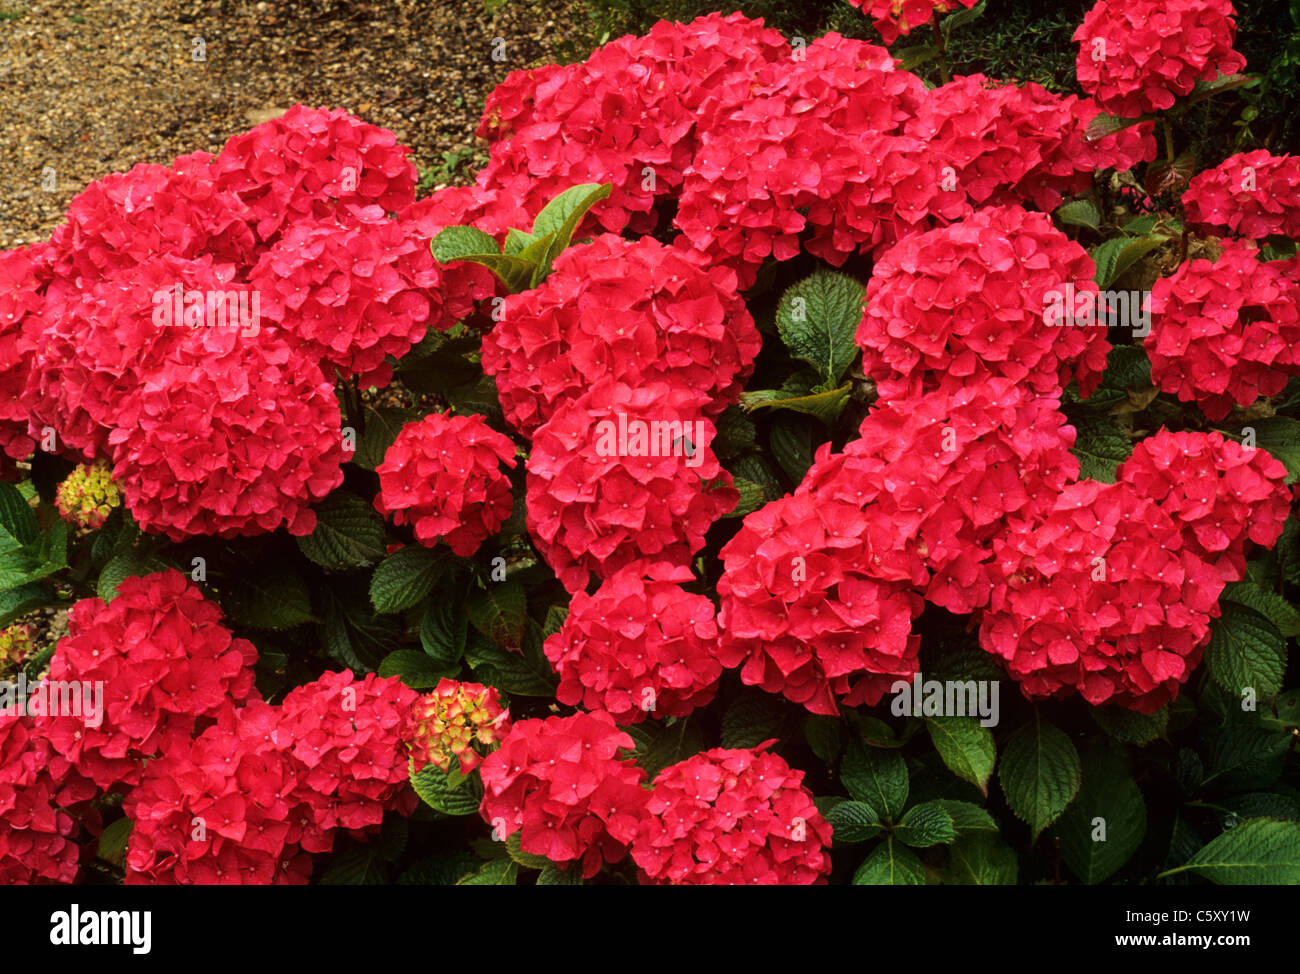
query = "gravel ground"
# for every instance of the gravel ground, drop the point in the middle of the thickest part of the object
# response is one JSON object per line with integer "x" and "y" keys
{"x": 90, "y": 88}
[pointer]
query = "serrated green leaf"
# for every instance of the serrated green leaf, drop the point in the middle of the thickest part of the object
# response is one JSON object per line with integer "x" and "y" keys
{"x": 444, "y": 870}
{"x": 1280, "y": 436}
{"x": 414, "y": 668}
{"x": 498, "y": 872}
{"x": 129, "y": 564}
{"x": 1040, "y": 773}
{"x": 877, "y": 776}
{"x": 268, "y": 597}
{"x": 1114, "y": 257}
{"x": 1129, "y": 726}
{"x": 968, "y": 817}
{"x": 825, "y": 735}
{"x": 42, "y": 557}
{"x": 560, "y": 219}
{"x": 1106, "y": 823}
{"x": 966, "y": 748}
{"x": 444, "y": 632}
{"x": 351, "y": 631}
{"x": 16, "y": 516}
{"x": 1246, "y": 651}
{"x": 981, "y": 860}
{"x": 517, "y": 241}
{"x": 356, "y": 867}
{"x": 405, "y": 577}
{"x": 523, "y": 674}
{"x": 1079, "y": 213}
{"x": 555, "y": 876}
{"x": 19, "y": 601}
{"x": 890, "y": 864}
{"x": 382, "y": 426}
{"x": 349, "y": 533}
{"x": 925, "y": 825}
{"x": 1104, "y": 125}
{"x": 826, "y": 406}
{"x": 499, "y": 611}
{"x": 514, "y": 847}
{"x": 853, "y": 821}
{"x": 657, "y": 747}
{"x": 1272, "y": 606}
{"x": 112, "y": 842}
{"x": 817, "y": 319}
{"x": 1258, "y": 852}
{"x": 751, "y": 719}
{"x": 457, "y": 243}
{"x": 752, "y": 497}
{"x": 1101, "y": 447}
{"x": 791, "y": 442}
{"x": 435, "y": 790}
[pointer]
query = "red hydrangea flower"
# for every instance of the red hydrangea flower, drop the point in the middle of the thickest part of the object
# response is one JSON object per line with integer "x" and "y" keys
{"x": 224, "y": 810}
{"x": 1102, "y": 596}
{"x": 1252, "y": 194}
{"x": 167, "y": 666}
{"x": 640, "y": 646}
{"x": 1138, "y": 56}
{"x": 561, "y": 781}
{"x": 1223, "y": 494}
{"x": 623, "y": 474}
{"x": 309, "y": 161}
{"x": 443, "y": 476}
{"x": 128, "y": 218}
{"x": 454, "y": 717}
{"x": 976, "y": 298}
{"x": 729, "y": 817}
{"x": 42, "y": 799}
{"x": 352, "y": 289}
{"x": 1008, "y": 143}
{"x": 958, "y": 464}
{"x": 807, "y": 147}
{"x": 349, "y": 737}
{"x": 636, "y": 312}
{"x": 817, "y": 596}
{"x": 1225, "y": 332}
{"x": 24, "y": 273}
{"x": 896, "y": 17}
{"x": 630, "y": 115}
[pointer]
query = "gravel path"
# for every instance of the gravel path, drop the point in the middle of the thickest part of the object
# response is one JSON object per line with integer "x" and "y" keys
{"x": 90, "y": 87}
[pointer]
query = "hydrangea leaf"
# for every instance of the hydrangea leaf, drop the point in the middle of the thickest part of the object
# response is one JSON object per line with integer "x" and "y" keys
{"x": 890, "y": 864}
{"x": 853, "y": 821}
{"x": 349, "y": 533}
{"x": 967, "y": 748}
{"x": 1104, "y": 826}
{"x": 1040, "y": 773}
{"x": 817, "y": 319}
{"x": 981, "y": 860}
{"x": 1246, "y": 651}
{"x": 1258, "y": 852}
{"x": 877, "y": 776}
{"x": 925, "y": 825}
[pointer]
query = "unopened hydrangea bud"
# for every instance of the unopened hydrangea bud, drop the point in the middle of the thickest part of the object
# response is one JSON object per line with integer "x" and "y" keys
{"x": 454, "y": 717}
{"x": 88, "y": 495}
{"x": 16, "y": 644}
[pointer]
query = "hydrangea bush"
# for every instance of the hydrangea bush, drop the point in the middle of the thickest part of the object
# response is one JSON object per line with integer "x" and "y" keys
{"x": 775, "y": 468}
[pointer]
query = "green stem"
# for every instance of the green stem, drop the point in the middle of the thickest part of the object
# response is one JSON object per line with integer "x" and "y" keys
{"x": 945, "y": 73}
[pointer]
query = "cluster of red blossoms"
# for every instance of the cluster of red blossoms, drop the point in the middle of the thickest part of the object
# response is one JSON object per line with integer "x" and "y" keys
{"x": 443, "y": 476}
{"x": 896, "y": 17}
{"x": 1227, "y": 331}
{"x": 568, "y": 786}
{"x": 1138, "y": 56}
{"x": 136, "y": 335}
{"x": 1252, "y": 195}
{"x": 220, "y": 786}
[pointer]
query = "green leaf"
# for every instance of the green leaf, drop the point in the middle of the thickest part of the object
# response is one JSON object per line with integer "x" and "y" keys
{"x": 443, "y": 633}
{"x": 19, "y": 601}
{"x": 658, "y": 747}
{"x": 1079, "y": 213}
{"x": 457, "y": 243}
{"x": 560, "y": 219}
{"x": 1224, "y": 82}
{"x": 1040, "y": 773}
{"x": 515, "y": 673}
{"x": 499, "y": 611}
{"x": 435, "y": 790}
{"x": 131, "y": 563}
{"x": 1104, "y": 826}
{"x": 960, "y": 18}
{"x": 752, "y": 497}
{"x": 416, "y": 670}
{"x": 751, "y": 719}
{"x": 1114, "y": 257}
{"x": 351, "y": 632}
{"x": 268, "y": 597}
{"x": 382, "y": 426}
{"x": 16, "y": 516}
{"x": 112, "y": 842}
{"x": 517, "y": 241}
{"x": 826, "y": 406}
{"x": 44, "y": 556}
{"x": 1272, "y": 606}
{"x": 792, "y": 445}
{"x": 1243, "y": 757}
{"x": 445, "y": 870}
{"x": 497, "y": 872}
{"x": 555, "y": 876}
{"x": 405, "y": 577}
{"x": 981, "y": 860}
{"x": 817, "y": 319}
{"x": 966, "y": 748}
{"x": 890, "y": 864}
{"x": 1104, "y": 125}
{"x": 356, "y": 867}
{"x": 1280, "y": 436}
{"x": 877, "y": 776}
{"x": 1129, "y": 726}
{"x": 1258, "y": 852}
{"x": 1246, "y": 650}
{"x": 349, "y": 533}
{"x": 1101, "y": 447}
{"x": 925, "y": 825}
{"x": 825, "y": 736}
{"x": 853, "y": 822}
{"x": 968, "y": 817}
